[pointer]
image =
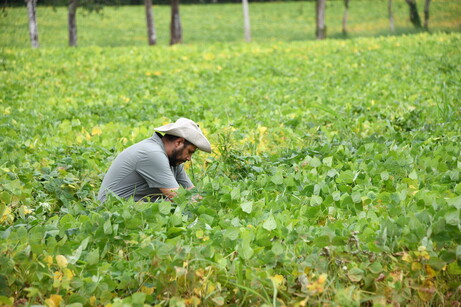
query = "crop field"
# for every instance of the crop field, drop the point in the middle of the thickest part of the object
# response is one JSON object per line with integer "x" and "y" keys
{"x": 334, "y": 178}
{"x": 204, "y": 24}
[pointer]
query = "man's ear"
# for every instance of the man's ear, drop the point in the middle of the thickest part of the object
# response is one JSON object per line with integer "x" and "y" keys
{"x": 179, "y": 141}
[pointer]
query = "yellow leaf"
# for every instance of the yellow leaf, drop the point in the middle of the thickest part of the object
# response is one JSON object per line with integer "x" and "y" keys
{"x": 406, "y": 257}
{"x": 157, "y": 73}
{"x": 262, "y": 129}
{"x": 68, "y": 274}
{"x": 61, "y": 261}
{"x": 277, "y": 280}
{"x": 147, "y": 290}
{"x": 200, "y": 272}
{"x": 198, "y": 291}
{"x": 96, "y": 131}
{"x": 415, "y": 266}
{"x": 208, "y": 56}
{"x": 7, "y": 217}
{"x": 322, "y": 278}
{"x": 199, "y": 234}
{"x": 48, "y": 260}
{"x": 26, "y": 210}
{"x": 210, "y": 287}
{"x": 430, "y": 271}
{"x": 93, "y": 301}
{"x": 396, "y": 276}
{"x": 54, "y": 300}
{"x": 317, "y": 286}
{"x": 57, "y": 275}
{"x": 193, "y": 300}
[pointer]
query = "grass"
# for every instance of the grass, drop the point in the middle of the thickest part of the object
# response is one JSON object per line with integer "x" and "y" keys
{"x": 203, "y": 24}
{"x": 335, "y": 176}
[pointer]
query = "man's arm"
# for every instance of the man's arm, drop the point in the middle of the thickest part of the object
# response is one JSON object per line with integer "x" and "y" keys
{"x": 169, "y": 192}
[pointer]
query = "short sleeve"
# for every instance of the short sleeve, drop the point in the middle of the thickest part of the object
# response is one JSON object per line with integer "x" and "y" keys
{"x": 182, "y": 178}
{"x": 154, "y": 167}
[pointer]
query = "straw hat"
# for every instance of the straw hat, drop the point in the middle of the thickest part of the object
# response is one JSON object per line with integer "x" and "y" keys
{"x": 189, "y": 130}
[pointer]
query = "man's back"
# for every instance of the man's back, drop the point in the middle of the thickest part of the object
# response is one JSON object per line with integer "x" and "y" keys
{"x": 141, "y": 170}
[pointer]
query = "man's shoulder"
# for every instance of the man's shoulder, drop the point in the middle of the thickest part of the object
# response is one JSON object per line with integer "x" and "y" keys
{"x": 148, "y": 150}
{"x": 148, "y": 145}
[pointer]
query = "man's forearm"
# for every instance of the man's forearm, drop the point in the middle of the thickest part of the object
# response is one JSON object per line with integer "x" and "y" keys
{"x": 169, "y": 192}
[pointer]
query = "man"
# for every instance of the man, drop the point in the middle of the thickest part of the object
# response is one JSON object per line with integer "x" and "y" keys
{"x": 153, "y": 168}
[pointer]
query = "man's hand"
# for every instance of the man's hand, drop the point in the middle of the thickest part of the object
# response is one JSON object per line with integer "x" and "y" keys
{"x": 170, "y": 193}
{"x": 196, "y": 198}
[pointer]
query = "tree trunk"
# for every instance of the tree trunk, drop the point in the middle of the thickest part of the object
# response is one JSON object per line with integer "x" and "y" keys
{"x": 426, "y": 14}
{"x": 72, "y": 22}
{"x": 246, "y": 21}
{"x": 414, "y": 16}
{"x": 346, "y": 9}
{"x": 33, "y": 29}
{"x": 175, "y": 25}
{"x": 151, "y": 34}
{"x": 320, "y": 31}
{"x": 391, "y": 15}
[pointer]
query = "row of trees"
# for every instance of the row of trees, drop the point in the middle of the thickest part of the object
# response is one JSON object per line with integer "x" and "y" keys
{"x": 94, "y": 5}
{"x": 176, "y": 28}
{"x": 321, "y": 28}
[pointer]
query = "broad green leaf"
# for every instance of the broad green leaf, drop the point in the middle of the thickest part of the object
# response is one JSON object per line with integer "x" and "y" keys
{"x": 455, "y": 202}
{"x": 174, "y": 231}
{"x": 328, "y": 161}
{"x": 356, "y": 197}
{"x": 336, "y": 195}
{"x": 235, "y": 194}
{"x": 270, "y": 224}
{"x": 346, "y": 177}
{"x": 322, "y": 241}
{"x": 315, "y": 162}
{"x": 385, "y": 175}
{"x": 138, "y": 298}
{"x": 277, "y": 248}
{"x": 413, "y": 175}
{"x": 218, "y": 300}
{"x": 164, "y": 207}
{"x": 247, "y": 207}
{"x": 246, "y": 251}
{"x": 452, "y": 217}
{"x": 376, "y": 267}
{"x": 232, "y": 233}
{"x": 277, "y": 179}
{"x": 108, "y": 227}
{"x": 332, "y": 172}
{"x": 78, "y": 252}
{"x": 6, "y": 301}
{"x": 316, "y": 200}
{"x": 454, "y": 268}
{"x": 92, "y": 257}
{"x": 355, "y": 274}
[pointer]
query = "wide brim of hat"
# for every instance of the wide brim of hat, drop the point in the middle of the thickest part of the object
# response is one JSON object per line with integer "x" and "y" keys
{"x": 188, "y": 130}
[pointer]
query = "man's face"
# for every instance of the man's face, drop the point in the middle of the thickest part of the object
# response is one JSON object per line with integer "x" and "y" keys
{"x": 181, "y": 154}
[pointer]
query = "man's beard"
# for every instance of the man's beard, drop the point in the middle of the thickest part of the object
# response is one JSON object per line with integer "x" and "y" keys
{"x": 174, "y": 161}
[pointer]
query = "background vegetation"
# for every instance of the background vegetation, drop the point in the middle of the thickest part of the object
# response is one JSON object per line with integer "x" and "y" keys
{"x": 203, "y": 24}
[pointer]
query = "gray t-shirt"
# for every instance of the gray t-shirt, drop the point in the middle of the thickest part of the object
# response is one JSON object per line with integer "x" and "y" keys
{"x": 141, "y": 170}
